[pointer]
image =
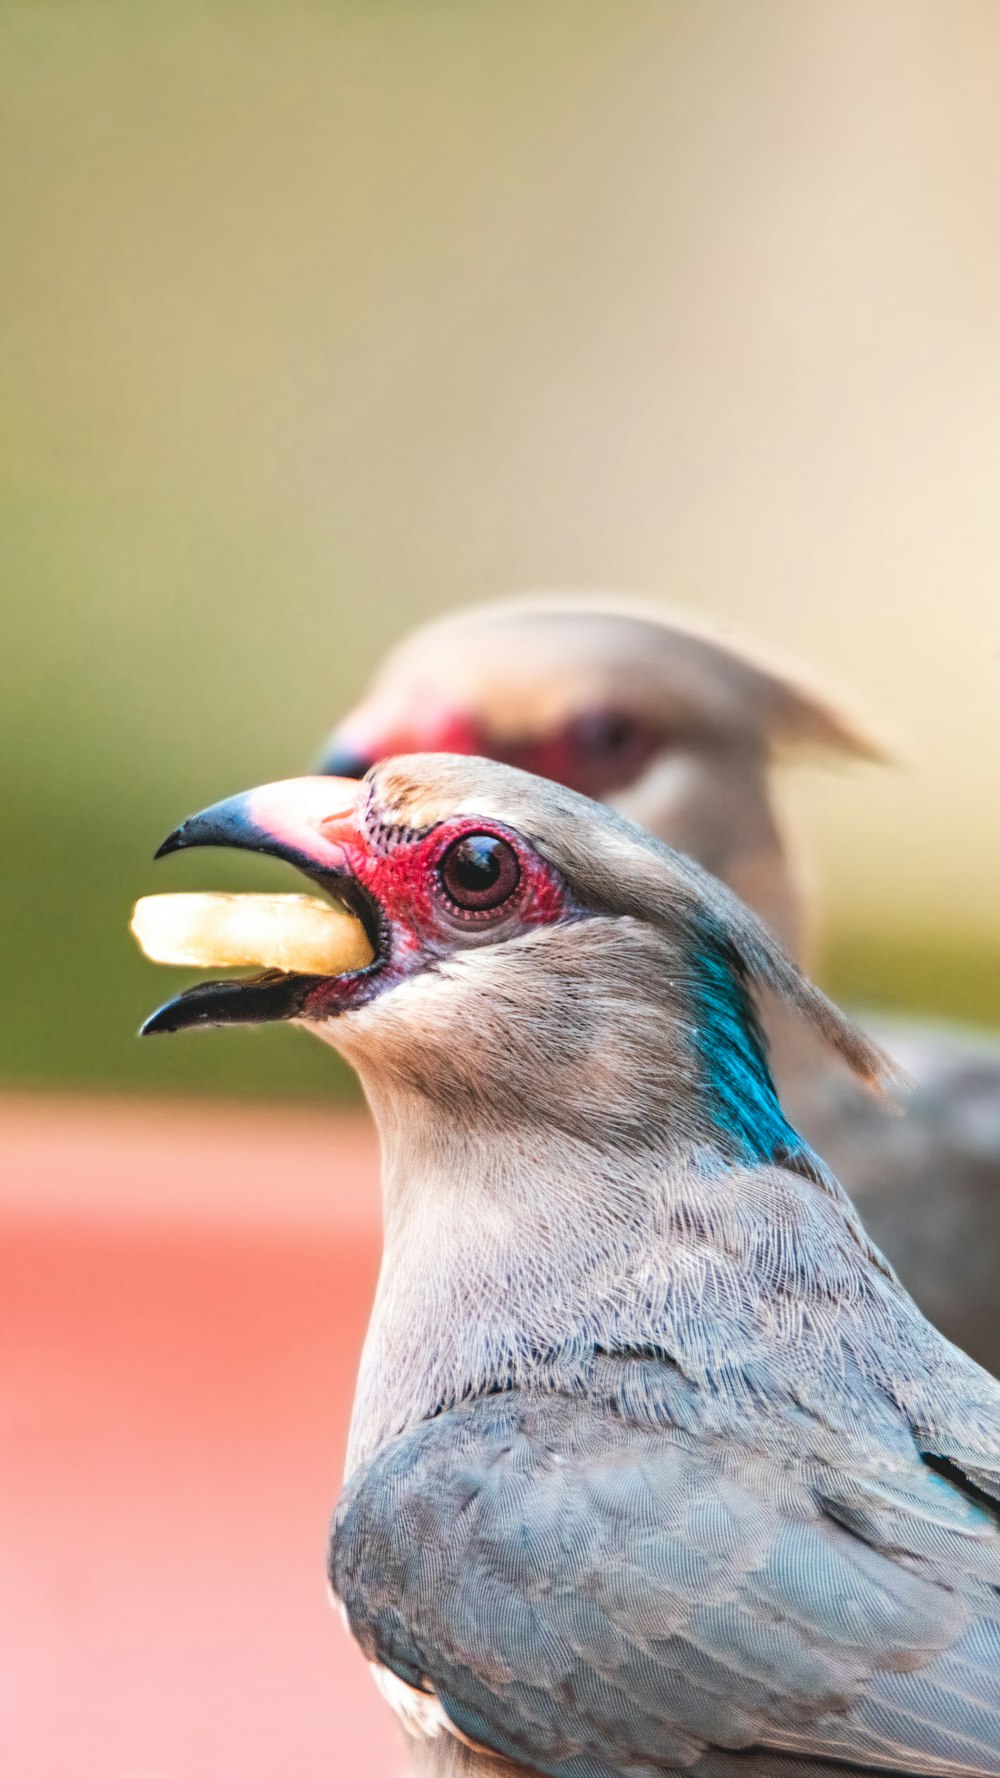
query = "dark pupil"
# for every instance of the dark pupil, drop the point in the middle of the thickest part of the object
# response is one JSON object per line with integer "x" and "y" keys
{"x": 617, "y": 733}
{"x": 475, "y": 864}
{"x": 604, "y": 732}
{"x": 480, "y": 872}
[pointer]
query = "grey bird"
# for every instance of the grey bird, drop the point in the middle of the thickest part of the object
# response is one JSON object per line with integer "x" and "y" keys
{"x": 683, "y": 731}
{"x": 654, "y": 1465}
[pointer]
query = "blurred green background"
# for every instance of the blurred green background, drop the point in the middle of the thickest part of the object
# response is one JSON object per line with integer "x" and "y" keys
{"x": 318, "y": 318}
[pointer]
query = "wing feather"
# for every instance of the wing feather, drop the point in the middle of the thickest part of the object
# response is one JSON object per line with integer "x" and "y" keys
{"x": 592, "y": 1598}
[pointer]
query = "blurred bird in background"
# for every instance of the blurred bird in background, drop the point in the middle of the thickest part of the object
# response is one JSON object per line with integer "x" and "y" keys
{"x": 654, "y": 1465}
{"x": 682, "y": 732}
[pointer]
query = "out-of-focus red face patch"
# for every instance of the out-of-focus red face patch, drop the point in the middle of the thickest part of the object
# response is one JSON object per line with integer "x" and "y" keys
{"x": 596, "y": 751}
{"x": 436, "y": 730}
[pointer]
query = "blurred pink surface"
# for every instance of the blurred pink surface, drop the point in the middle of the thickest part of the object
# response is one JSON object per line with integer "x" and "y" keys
{"x": 183, "y": 1295}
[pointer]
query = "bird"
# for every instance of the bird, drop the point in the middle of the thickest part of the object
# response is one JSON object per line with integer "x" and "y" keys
{"x": 654, "y": 1464}
{"x": 673, "y": 726}
{"x": 682, "y": 730}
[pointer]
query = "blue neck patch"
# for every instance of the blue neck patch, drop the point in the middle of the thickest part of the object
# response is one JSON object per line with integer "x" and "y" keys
{"x": 728, "y": 1041}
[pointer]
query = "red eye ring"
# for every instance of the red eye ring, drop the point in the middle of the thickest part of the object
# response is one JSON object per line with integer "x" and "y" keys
{"x": 479, "y": 872}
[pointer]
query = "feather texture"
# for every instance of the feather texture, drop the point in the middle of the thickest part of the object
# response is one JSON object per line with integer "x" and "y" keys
{"x": 654, "y": 1466}
{"x": 717, "y": 716}
{"x": 589, "y": 1591}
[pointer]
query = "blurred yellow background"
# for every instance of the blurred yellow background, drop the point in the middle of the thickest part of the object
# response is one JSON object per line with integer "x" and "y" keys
{"x": 318, "y": 318}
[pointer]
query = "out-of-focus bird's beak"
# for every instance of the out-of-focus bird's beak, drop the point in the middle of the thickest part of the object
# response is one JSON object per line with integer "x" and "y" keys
{"x": 314, "y": 824}
{"x": 357, "y": 743}
{"x": 343, "y": 761}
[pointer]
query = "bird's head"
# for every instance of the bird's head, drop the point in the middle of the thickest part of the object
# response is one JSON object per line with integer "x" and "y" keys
{"x": 588, "y": 692}
{"x": 534, "y": 958}
{"x": 674, "y": 727}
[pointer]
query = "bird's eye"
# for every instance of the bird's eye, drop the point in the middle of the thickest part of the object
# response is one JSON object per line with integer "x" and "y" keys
{"x": 606, "y": 734}
{"x": 479, "y": 872}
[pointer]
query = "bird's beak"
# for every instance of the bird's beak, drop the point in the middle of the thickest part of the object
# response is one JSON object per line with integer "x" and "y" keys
{"x": 358, "y": 742}
{"x": 315, "y": 824}
{"x": 309, "y": 822}
{"x": 347, "y": 756}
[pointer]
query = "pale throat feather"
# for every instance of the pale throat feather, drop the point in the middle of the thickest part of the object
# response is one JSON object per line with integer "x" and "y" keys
{"x": 510, "y": 1267}
{"x": 574, "y": 1166}
{"x": 484, "y": 1274}
{"x": 513, "y": 1258}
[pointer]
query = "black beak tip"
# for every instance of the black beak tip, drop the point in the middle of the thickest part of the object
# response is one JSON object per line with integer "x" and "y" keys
{"x": 229, "y": 823}
{"x": 159, "y": 1022}
{"x": 174, "y": 842}
{"x": 262, "y": 1000}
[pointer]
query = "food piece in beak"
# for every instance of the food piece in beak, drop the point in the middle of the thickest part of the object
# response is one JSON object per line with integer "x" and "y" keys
{"x": 297, "y": 934}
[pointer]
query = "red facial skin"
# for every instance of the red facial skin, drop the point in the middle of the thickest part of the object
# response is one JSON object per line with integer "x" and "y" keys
{"x": 419, "y": 905}
{"x": 421, "y": 922}
{"x": 597, "y": 751}
{"x": 575, "y": 756}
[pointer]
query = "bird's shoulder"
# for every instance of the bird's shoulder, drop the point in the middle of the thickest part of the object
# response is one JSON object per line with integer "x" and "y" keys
{"x": 585, "y": 1592}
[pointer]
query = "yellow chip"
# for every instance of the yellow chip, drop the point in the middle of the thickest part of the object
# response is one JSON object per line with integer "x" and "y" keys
{"x": 295, "y": 933}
